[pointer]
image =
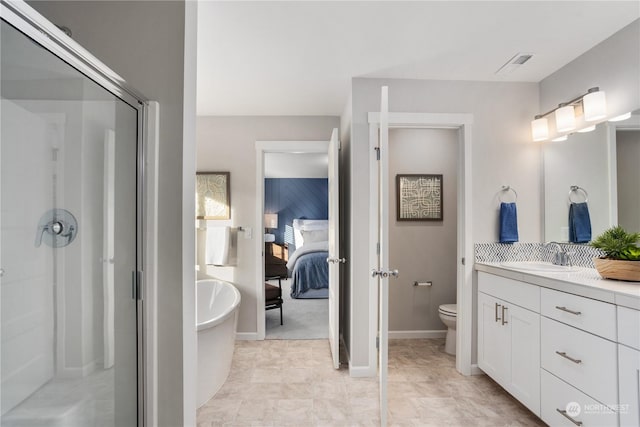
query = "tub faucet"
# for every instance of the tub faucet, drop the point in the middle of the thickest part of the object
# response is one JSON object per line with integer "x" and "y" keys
{"x": 560, "y": 256}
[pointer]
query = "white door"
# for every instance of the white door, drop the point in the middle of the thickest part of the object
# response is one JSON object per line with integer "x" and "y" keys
{"x": 334, "y": 259}
{"x": 382, "y": 271}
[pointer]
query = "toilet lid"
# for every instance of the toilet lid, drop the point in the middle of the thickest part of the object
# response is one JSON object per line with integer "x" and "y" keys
{"x": 450, "y": 309}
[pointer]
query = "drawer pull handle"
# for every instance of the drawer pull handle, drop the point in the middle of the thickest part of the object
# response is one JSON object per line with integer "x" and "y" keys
{"x": 564, "y": 414}
{"x": 563, "y": 354}
{"x": 565, "y": 309}
{"x": 497, "y": 318}
{"x": 504, "y": 318}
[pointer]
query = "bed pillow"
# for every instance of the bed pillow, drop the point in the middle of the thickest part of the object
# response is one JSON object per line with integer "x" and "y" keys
{"x": 311, "y": 236}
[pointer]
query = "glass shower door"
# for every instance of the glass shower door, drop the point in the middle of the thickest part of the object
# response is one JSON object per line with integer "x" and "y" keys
{"x": 68, "y": 244}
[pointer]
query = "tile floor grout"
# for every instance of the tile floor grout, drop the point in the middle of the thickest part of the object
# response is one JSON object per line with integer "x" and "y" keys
{"x": 292, "y": 383}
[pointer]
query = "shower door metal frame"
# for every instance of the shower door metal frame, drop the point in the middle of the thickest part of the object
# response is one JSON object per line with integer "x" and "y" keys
{"x": 28, "y": 21}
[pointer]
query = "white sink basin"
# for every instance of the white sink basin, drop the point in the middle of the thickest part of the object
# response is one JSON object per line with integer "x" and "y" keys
{"x": 543, "y": 267}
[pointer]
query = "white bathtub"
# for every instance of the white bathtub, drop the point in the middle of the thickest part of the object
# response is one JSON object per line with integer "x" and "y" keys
{"x": 217, "y": 305}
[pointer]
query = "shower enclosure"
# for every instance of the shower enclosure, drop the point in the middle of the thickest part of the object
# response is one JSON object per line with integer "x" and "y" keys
{"x": 70, "y": 239}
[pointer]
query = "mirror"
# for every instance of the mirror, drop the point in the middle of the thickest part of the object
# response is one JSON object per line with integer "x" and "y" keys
{"x": 604, "y": 163}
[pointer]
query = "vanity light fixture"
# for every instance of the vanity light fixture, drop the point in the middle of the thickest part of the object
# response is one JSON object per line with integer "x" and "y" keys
{"x": 620, "y": 118}
{"x": 591, "y": 105}
{"x": 594, "y": 105}
{"x": 565, "y": 118}
{"x": 540, "y": 129}
{"x": 588, "y": 129}
{"x": 560, "y": 138}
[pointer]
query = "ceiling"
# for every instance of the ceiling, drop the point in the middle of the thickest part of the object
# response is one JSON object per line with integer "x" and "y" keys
{"x": 298, "y": 57}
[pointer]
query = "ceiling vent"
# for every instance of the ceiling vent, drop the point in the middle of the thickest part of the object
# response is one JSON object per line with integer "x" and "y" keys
{"x": 514, "y": 63}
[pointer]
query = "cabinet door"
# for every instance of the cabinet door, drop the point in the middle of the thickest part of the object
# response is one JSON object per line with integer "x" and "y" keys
{"x": 493, "y": 340}
{"x": 524, "y": 330}
{"x": 629, "y": 385}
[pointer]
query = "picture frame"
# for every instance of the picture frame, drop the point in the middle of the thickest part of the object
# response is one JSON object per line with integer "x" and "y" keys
{"x": 419, "y": 197}
{"x": 213, "y": 195}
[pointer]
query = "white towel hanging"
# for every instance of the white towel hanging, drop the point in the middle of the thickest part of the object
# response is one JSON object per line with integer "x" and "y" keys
{"x": 222, "y": 246}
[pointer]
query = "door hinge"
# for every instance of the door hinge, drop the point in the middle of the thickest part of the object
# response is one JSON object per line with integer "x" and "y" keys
{"x": 378, "y": 248}
{"x": 463, "y": 261}
{"x": 136, "y": 285}
{"x": 377, "y": 342}
{"x": 377, "y": 153}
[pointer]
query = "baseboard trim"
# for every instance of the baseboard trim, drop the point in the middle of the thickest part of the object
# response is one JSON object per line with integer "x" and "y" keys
{"x": 246, "y": 336}
{"x": 361, "y": 371}
{"x": 416, "y": 334}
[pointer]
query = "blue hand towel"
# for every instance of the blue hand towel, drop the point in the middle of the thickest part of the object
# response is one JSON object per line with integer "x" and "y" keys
{"x": 579, "y": 223}
{"x": 508, "y": 223}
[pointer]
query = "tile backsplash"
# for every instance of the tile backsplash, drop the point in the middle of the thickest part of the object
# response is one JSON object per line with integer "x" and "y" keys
{"x": 581, "y": 255}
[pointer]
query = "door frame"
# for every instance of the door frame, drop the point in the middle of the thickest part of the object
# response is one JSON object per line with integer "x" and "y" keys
{"x": 262, "y": 148}
{"x": 463, "y": 123}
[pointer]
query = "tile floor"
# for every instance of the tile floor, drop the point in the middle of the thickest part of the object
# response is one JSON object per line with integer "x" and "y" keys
{"x": 292, "y": 383}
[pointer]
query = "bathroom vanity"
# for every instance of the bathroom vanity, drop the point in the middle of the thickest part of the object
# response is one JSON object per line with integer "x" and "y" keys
{"x": 565, "y": 344}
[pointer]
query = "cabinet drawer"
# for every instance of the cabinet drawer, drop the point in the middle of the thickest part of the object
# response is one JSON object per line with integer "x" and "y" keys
{"x": 587, "y": 314}
{"x": 594, "y": 367}
{"x": 629, "y": 327}
{"x": 509, "y": 290}
{"x": 557, "y": 395}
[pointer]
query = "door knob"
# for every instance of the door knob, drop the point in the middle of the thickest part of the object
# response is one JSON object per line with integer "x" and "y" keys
{"x": 384, "y": 274}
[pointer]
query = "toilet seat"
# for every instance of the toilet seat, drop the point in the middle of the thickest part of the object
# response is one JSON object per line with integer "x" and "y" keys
{"x": 449, "y": 309}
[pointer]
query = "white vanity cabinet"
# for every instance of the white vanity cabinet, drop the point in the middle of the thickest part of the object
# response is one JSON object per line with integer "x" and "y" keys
{"x": 509, "y": 336}
{"x": 629, "y": 366}
{"x": 568, "y": 347}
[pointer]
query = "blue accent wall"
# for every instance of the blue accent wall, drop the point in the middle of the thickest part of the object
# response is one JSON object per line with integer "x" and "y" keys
{"x": 294, "y": 198}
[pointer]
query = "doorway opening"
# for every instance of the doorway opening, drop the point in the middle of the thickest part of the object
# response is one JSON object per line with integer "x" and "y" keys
{"x": 296, "y": 212}
{"x": 382, "y": 271}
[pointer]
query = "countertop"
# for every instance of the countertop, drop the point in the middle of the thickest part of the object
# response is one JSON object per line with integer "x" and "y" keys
{"x": 585, "y": 282}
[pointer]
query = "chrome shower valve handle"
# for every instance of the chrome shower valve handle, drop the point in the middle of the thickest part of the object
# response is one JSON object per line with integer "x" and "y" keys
{"x": 57, "y": 227}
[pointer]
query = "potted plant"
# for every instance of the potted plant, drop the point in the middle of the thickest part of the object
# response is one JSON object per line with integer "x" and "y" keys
{"x": 622, "y": 254}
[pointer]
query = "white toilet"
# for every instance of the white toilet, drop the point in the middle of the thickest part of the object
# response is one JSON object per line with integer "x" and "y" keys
{"x": 448, "y": 314}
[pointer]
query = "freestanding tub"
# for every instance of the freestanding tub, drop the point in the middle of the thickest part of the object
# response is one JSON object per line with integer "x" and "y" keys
{"x": 217, "y": 305}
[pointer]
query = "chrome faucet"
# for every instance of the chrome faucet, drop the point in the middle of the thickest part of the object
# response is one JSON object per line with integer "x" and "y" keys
{"x": 560, "y": 257}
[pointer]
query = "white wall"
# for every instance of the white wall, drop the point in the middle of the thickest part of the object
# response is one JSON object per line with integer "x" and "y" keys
{"x": 228, "y": 144}
{"x": 143, "y": 41}
{"x": 423, "y": 250}
{"x": 502, "y": 154}
{"x": 613, "y": 66}
{"x": 296, "y": 165}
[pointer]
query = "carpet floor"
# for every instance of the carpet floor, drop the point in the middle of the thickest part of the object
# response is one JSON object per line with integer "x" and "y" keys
{"x": 304, "y": 319}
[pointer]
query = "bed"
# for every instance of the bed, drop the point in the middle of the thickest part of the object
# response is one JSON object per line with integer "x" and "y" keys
{"x": 307, "y": 266}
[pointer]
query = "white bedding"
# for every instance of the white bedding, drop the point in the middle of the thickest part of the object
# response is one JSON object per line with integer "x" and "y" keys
{"x": 311, "y": 226}
{"x": 308, "y": 248}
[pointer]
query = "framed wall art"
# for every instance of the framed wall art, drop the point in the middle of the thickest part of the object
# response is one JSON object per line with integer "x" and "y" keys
{"x": 213, "y": 195}
{"x": 419, "y": 197}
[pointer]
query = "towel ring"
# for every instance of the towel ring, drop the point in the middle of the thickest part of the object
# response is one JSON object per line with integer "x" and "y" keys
{"x": 506, "y": 188}
{"x": 575, "y": 189}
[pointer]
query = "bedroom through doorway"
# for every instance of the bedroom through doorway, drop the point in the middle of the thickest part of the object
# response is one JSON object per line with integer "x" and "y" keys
{"x": 296, "y": 245}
